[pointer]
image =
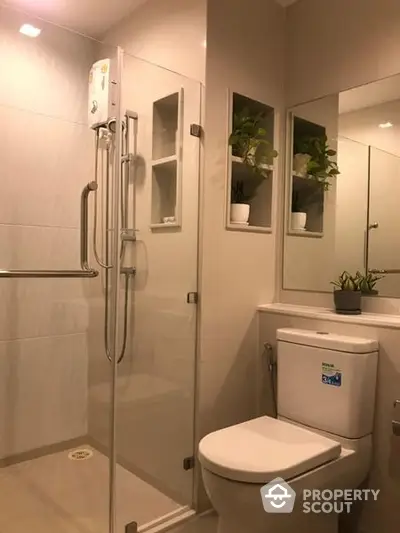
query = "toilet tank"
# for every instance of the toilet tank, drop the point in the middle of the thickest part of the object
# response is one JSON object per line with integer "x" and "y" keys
{"x": 327, "y": 381}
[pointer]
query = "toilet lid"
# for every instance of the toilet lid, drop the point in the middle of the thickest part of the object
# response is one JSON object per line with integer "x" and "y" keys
{"x": 262, "y": 449}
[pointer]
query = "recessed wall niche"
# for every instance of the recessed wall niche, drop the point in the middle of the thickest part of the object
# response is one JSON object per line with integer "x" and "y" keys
{"x": 307, "y": 194}
{"x": 250, "y": 165}
{"x": 167, "y": 161}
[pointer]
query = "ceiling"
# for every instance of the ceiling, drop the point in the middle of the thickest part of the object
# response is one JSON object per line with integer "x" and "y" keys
{"x": 91, "y": 17}
{"x": 370, "y": 95}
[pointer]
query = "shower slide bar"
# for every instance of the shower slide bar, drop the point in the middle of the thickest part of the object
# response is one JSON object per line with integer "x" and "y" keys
{"x": 86, "y": 271}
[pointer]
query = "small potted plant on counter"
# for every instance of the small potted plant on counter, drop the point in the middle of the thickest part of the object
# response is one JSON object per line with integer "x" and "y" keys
{"x": 367, "y": 283}
{"x": 250, "y": 144}
{"x": 347, "y": 294}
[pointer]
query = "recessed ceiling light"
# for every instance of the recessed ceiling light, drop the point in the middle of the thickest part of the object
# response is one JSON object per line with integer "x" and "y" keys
{"x": 29, "y": 30}
{"x": 385, "y": 125}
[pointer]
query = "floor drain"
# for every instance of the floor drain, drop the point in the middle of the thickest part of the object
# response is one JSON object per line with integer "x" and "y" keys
{"x": 81, "y": 454}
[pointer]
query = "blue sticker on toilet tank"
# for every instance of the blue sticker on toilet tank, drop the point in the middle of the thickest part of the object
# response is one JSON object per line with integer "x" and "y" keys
{"x": 331, "y": 375}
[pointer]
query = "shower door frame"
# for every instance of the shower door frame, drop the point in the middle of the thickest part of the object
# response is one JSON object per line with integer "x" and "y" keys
{"x": 116, "y": 94}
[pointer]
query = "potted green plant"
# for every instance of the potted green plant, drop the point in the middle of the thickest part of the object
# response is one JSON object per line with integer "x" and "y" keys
{"x": 240, "y": 208}
{"x": 249, "y": 142}
{"x": 347, "y": 294}
{"x": 367, "y": 283}
{"x": 298, "y": 218}
{"x": 318, "y": 162}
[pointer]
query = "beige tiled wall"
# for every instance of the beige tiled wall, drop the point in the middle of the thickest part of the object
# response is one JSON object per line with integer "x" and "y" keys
{"x": 46, "y": 159}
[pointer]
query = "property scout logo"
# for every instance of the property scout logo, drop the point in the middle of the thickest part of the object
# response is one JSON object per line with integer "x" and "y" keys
{"x": 279, "y": 497}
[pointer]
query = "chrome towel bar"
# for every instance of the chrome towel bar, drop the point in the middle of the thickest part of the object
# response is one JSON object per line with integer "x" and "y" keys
{"x": 48, "y": 273}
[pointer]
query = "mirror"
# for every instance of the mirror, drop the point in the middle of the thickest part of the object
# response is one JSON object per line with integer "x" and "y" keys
{"x": 343, "y": 189}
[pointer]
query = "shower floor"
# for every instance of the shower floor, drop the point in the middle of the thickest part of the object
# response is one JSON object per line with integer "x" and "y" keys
{"x": 54, "y": 494}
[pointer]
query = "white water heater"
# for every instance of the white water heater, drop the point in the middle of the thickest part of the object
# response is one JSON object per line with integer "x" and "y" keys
{"x": 101, "y": 105}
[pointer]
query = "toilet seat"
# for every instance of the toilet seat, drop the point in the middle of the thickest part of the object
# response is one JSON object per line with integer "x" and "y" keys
{"x": 262, "y": 449}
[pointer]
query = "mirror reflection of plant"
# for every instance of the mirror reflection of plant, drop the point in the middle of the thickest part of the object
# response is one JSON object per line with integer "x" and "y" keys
{"x": 321, "y": 166}
{"x": 296, "y": 203}
{"x": 238, "y": 195}
{"x": 367, "y": 282}
{"x": 303, "y": 201}
{"x": 249, "y": 141}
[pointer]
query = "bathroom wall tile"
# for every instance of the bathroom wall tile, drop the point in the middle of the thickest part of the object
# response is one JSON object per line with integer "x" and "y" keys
{"x": 39, "y": 307}
{"x": 35, "y": 247}
{"x": 43, "y": 185}
{"x": 48, "y": 75}
{"x": 43, "y": 391}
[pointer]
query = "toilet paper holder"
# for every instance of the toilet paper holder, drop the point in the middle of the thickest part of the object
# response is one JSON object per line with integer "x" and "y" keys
{"x": 396, "y": 423}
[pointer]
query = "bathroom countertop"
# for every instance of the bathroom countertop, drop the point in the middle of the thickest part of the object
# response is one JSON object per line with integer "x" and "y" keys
{"x": 321, "y": 313}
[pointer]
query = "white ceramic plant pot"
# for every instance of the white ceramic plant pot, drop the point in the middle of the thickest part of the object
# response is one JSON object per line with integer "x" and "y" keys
{"x": 300, "y": 164}
{"x": 240, "y": 213}
{"x": 298, "y": 222}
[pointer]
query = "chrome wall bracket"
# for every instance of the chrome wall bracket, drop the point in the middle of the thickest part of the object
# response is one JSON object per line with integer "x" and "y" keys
{"x": 396, "y": 423}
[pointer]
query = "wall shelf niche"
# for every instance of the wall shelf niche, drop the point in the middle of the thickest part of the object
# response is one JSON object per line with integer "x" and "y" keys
{"x": 307, "y": 195}
{"x": 255, "y": 185}
{"x": 167, "y": 162}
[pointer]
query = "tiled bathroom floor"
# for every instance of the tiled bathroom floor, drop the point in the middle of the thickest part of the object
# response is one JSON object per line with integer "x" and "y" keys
{"x": 206, "y": 523}
{"x": 54, "y": 494}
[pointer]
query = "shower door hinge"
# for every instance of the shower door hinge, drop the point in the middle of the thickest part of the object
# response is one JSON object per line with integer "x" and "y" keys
{"x": 195, "y": 130}
{"x": 188, "y": 463}
{"x": 192, "y": 298}
{"x": 132, "y": 527}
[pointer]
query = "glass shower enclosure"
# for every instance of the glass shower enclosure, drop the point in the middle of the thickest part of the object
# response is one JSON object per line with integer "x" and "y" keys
{"x": 98, "y": 283}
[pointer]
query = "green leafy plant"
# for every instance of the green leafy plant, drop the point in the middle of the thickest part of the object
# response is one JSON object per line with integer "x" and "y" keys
{"x": 347, "y": 282}
{"x": 248, "y": 141}
{"x": 296, "y": 203}
{"x": 238, "y": 195}
{"x": 321, "y": 167}
{"x": 367, "y": 282}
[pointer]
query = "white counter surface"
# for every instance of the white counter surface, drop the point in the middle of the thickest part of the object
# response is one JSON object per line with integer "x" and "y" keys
{"x": 320, "y": 313}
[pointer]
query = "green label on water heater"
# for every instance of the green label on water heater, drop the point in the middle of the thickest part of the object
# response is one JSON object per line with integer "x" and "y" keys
{"x": 331, "y": 375}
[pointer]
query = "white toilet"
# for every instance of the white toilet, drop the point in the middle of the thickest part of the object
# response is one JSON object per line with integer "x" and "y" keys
{"x": 321, "y": 439}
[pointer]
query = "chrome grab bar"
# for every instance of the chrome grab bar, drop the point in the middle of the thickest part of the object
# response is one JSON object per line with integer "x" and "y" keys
{"x": 86, "y": 271}
{"x": 92, "y": 186}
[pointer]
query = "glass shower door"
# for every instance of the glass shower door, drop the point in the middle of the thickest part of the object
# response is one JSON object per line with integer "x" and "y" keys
{"x": 156, "y": 379}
